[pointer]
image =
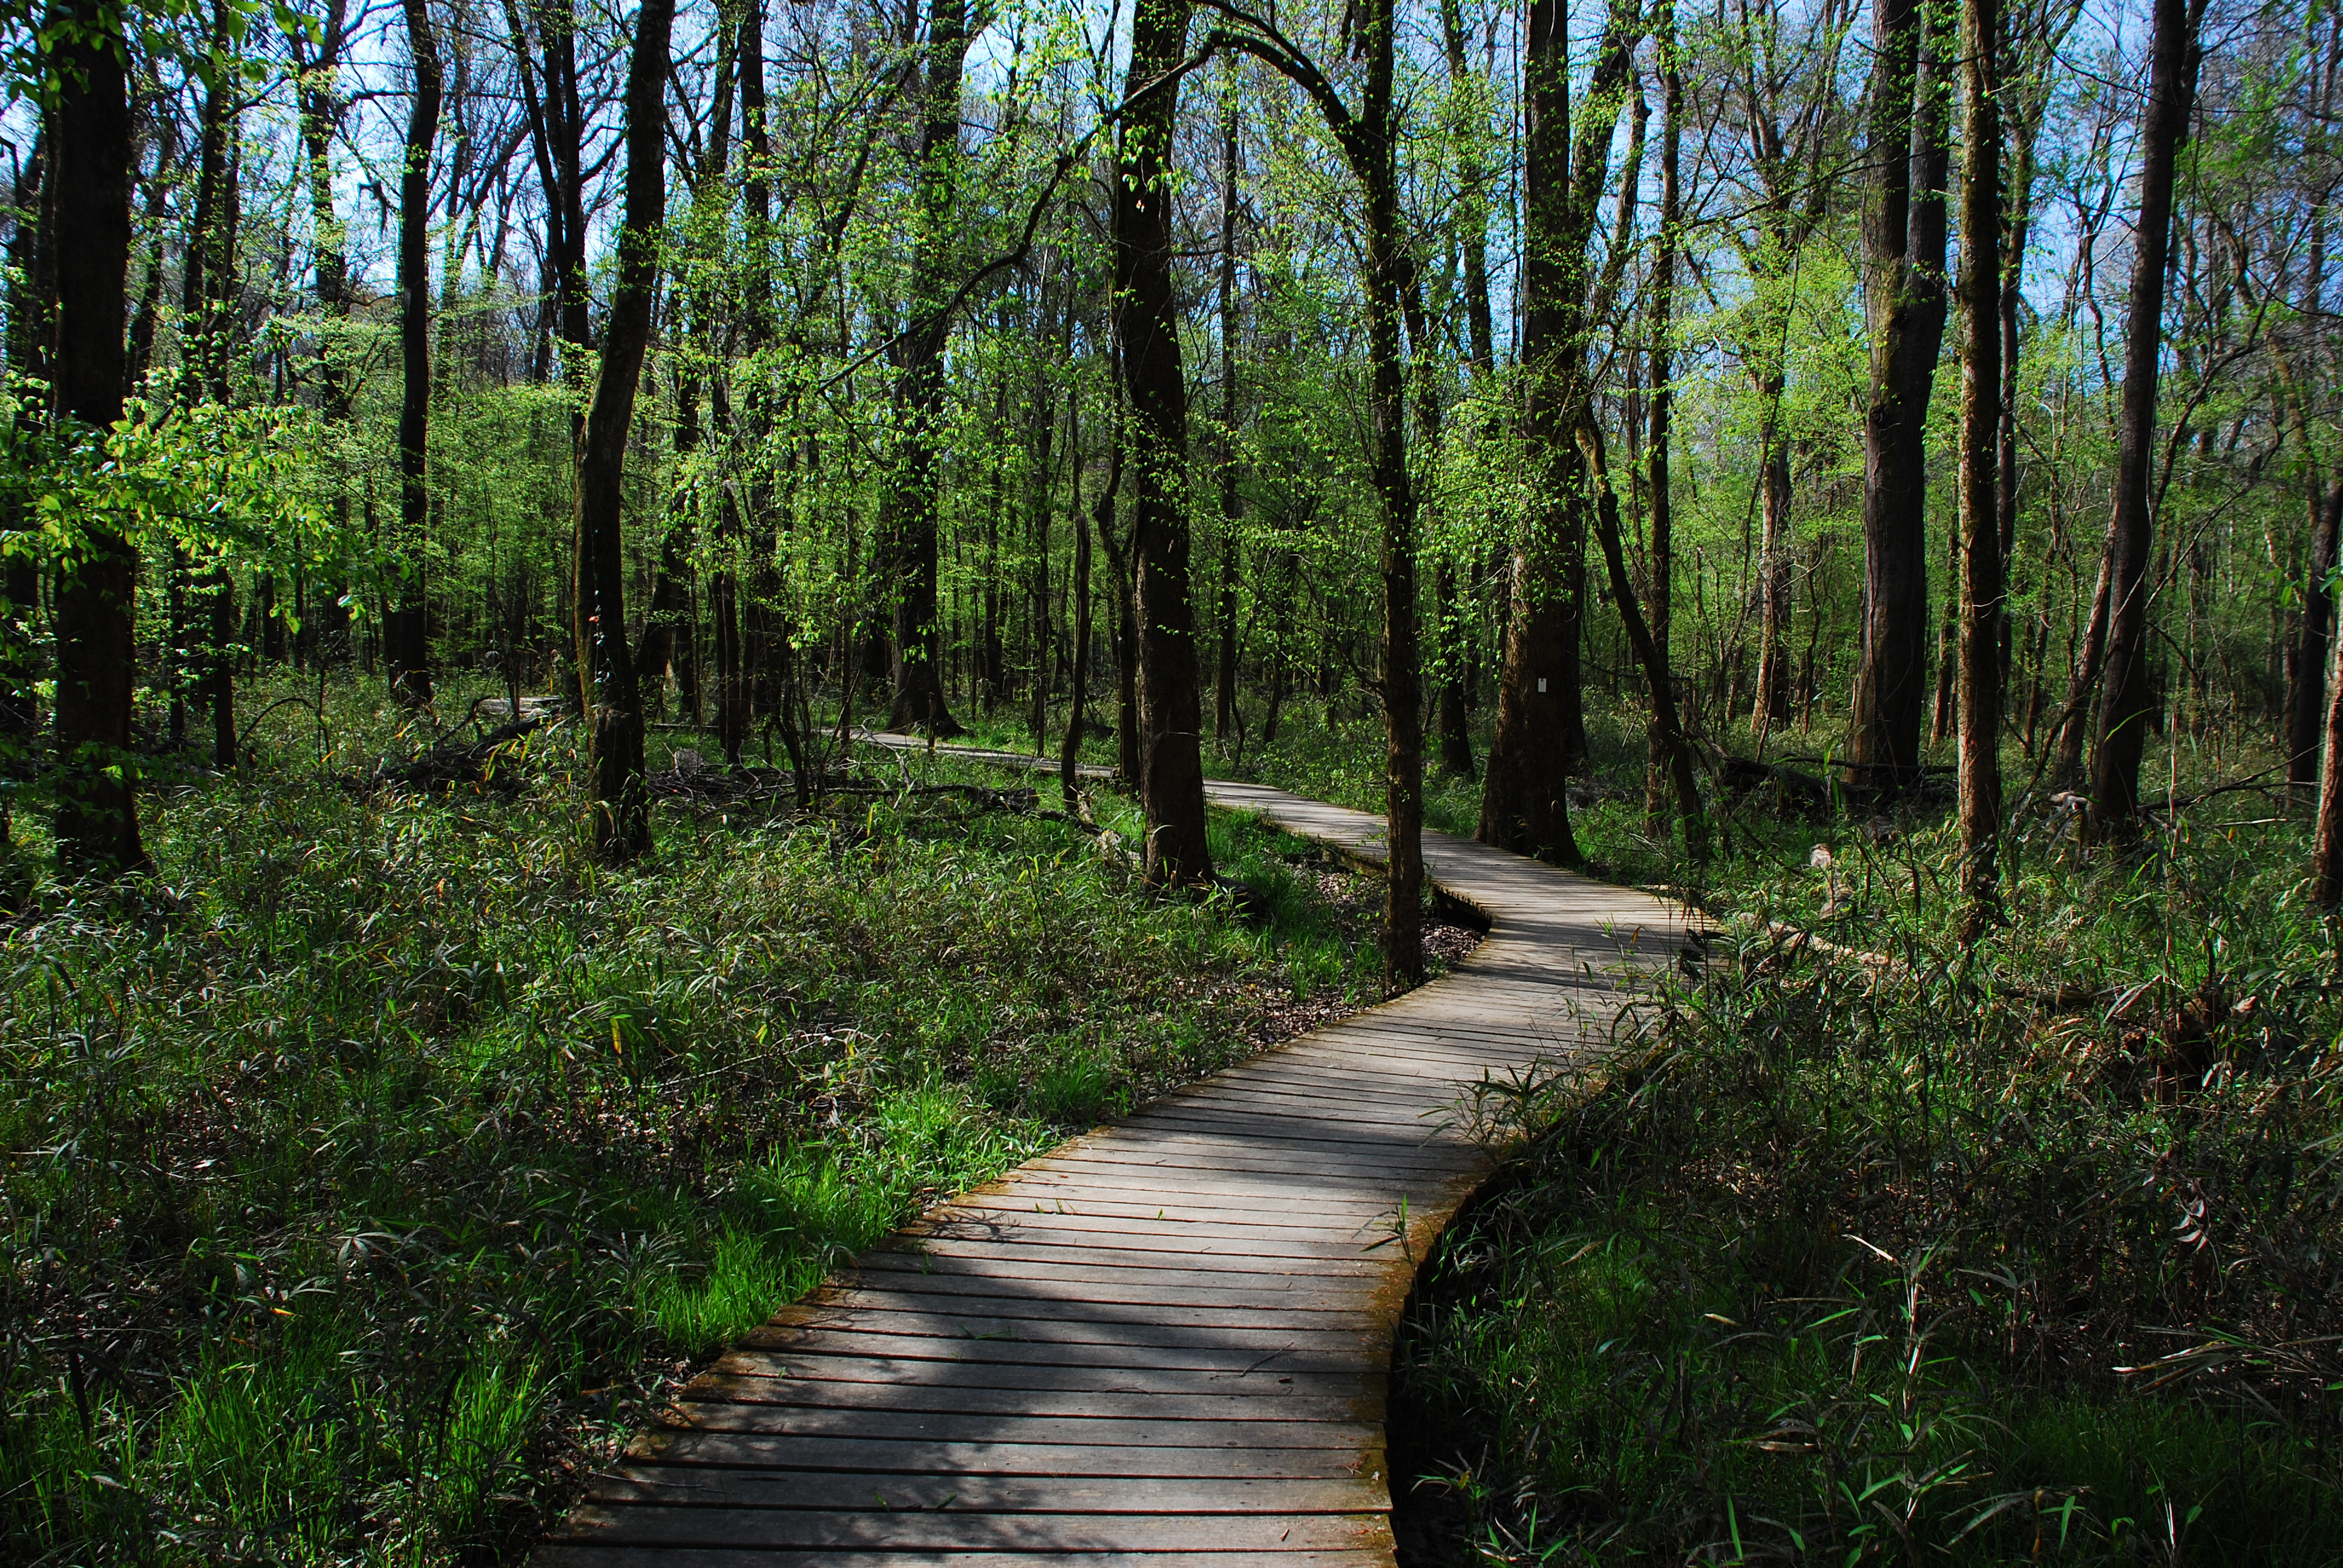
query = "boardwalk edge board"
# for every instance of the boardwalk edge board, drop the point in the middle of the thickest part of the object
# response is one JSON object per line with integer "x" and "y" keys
{"x": 1164, "y": 1342}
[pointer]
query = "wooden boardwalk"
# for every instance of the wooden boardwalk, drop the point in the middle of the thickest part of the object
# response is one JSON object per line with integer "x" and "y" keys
{"x": 1164, "y": 1342}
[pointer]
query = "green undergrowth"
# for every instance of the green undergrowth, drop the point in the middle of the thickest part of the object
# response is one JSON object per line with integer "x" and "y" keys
{"x": 372, "y": 1167}
{"x": 1899, "y": 1250}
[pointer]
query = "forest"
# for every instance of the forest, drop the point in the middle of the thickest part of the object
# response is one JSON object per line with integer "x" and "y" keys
{"x": 513, "y": 515}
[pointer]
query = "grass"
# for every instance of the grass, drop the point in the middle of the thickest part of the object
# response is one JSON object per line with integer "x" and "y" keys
{"x": 370, "y": 1168}
{"x": 1843, "y": 1264}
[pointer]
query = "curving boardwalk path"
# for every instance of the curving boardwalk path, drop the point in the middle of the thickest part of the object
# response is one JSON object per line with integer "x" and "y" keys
{"x": 1161, "y": 1343}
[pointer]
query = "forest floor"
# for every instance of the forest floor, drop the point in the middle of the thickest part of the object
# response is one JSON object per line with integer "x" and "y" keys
{"x": 1879, "y": 1247}
{"x": 371, "y": 1170}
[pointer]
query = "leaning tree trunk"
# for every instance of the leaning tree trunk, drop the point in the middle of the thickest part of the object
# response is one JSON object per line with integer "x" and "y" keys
{"x": 909, "y": 527}
{"x": 2126, "y": 701}
{"x": 622, "y": 802}
{"x": 1981, "y": 564}
{"x": 1668, "y": 738}
{"x": 1147, "y": 335}
{"x": 1904, "y": 291}
{"x": 406, "y": 623}
{"x": 97, "y": 595}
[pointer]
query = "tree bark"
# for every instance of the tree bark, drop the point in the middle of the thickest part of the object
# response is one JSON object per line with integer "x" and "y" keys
{"x": 407, "y": 621}
{"x": 1079, "y": 681}
{"x": 1536, "y": 742}
{"x": 1660, "y": 552}
{"x": 908, "y": 526}
{"x": 2306, "y": 694}
{"x": 1147, "y": 337}
{"x": 1981, "y": 562}
{"x": 1452, "y": 721}
{"x": 1377, "y": 153}
{"x": 1905, "y": 290}
{"x": 97, "y": 813}
{"x": 2126, "y": 700}
{"x": 2327, "y": 843}
{"x": 622, "y": 802}
{"x": 1224, "y": 673}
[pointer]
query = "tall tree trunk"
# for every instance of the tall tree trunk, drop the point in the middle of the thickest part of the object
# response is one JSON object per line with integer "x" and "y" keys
{"x": 406, "y": 629}
{"x": 1377, "y": 153}
{"x": 1452, "y": 722}
{"x": 1660, "y": 553}
{"x": 96, "y": 812}
{"x": 666, "y": 627}
{"x": 1225, "y": 674}
{"x": 1776, "y": 565}
{"x": 1905, "y": 290}
{"x": 910, "y": 525}
{"x": 1981, "y": 563}
{"x": 765, "y": 677}
{"x": 32, "y": 297}
{"x": 1147, "y": 337}
{"x": 2306, "y": 694}
{"x": 1536, "y": 742}
{"x": 1078, "y": 685}
{"x": 2126, "y": 701}
{"x": 623, "y": 805}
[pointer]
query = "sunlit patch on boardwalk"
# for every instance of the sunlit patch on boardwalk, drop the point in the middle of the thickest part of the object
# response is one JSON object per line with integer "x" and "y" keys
{"x": 1166, "y": 1341}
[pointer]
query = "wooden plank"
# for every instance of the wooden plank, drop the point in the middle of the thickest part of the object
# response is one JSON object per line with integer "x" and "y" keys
{"x": 831, "y": 1365}
{"x": 1298, "y": 1293}
{"x": 1307, "y": 1353}
{"x": 1005, "y": 1258}
{"x": 698, "y": 1486}
{"x": 952, "y": 1530}
{"x": 575, "y": 1554}
{"x": 964, "y": 1426}
{"x": 869, "y": 1312}
{"x": 1047, "y": 1458}
{"x": 1261, "y": 1400}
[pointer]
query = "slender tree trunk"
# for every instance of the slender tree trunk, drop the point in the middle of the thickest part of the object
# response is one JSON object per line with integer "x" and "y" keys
{"x": 622, "y": 802}
{"x": 406, "y": 629}
{"x": 1905, "y": 289}
{"x": 2126, "y": 700}
{"x": 96, "y": 812}
{"x": 2306, "y": 695}
{"x": 909, "y": 527}
{"x": 667, "y": 628}
{"x": 1147, "y": 333}
{"x": 1078, "y": 685}
{"x": 1660, "y": 555}
{"x": 1981, "y": 563}
{"x": 1225, "y": 674}
{"x": 1777, "y": 568}
{"x": 1453, "y": 642}
{"x": 31, "y": 299}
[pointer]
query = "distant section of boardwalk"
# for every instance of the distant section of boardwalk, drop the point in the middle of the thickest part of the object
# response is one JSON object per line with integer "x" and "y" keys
{"x": 1164, "y": 1342}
